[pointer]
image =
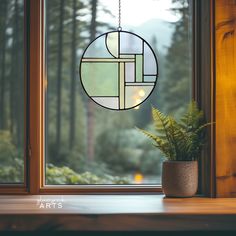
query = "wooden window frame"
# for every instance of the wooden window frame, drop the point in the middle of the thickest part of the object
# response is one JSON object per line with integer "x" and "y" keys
{"x": 35, "y": 71}
{"x": 204, "y": 87}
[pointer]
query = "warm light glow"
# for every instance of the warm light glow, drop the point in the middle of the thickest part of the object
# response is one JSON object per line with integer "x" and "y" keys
{"x": 45, "y": 83}
{"x": 141, "y": 93}
{"x": 138, "y": 178}
{"x": 136, "y": 108}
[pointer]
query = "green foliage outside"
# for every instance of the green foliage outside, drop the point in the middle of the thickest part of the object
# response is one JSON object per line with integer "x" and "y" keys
{"x": 179, "y": 140}
{"x": 64, "y": 175}
{"x": 11, "y": 169}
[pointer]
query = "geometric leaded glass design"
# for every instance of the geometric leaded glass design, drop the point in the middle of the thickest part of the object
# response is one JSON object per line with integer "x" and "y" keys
{"x": 118, "y": 70}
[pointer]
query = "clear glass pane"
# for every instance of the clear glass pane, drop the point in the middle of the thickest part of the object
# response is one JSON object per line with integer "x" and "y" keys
{"x": 85, "y": 142}
{"x": 11, "y": 91}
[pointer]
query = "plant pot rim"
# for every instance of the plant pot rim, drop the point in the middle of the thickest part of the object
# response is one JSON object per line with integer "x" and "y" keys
{"x": 179, "y": 161}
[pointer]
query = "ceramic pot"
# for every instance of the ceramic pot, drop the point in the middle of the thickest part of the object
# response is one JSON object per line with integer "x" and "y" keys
{"x": 180, "y": 178}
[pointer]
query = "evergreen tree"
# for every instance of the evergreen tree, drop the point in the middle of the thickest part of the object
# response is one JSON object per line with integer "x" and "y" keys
{"x": 3, "y": 39}
{"x": 178, "y": 67}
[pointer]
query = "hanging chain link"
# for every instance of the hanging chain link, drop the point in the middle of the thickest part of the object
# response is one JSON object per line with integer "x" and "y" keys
{"x": 119, "y": 17}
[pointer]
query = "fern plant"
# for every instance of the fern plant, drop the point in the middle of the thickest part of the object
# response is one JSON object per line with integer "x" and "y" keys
{"x": 179, "y": 140}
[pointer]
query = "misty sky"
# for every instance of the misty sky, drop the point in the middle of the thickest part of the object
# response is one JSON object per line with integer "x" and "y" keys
{"x": 136, "y": 12}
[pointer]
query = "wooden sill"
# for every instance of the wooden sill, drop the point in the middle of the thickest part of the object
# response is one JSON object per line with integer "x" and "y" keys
{"x": 116, "y": 213}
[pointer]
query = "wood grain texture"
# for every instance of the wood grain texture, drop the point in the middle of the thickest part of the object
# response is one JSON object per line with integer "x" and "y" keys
{"x": 116, "y": 213}
{"x": 225, "y": 46}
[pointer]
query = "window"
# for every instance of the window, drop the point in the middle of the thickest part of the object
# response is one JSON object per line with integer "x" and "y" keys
{"x": 66, "y": 142}
{"x": 86, "y": 143}
{"x": 12, "y": 90}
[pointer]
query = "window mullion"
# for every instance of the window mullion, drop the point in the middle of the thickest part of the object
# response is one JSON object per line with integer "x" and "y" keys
{"x": 36, "y": 94}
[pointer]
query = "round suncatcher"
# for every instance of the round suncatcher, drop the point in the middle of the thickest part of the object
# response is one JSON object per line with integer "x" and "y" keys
{"x": 118, "y": 70}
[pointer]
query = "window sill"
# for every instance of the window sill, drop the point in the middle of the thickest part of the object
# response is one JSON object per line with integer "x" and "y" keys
{"x": 115, "y": 213}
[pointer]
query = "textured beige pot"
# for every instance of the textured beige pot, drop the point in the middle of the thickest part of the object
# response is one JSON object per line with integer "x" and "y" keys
{"x": 180, "y": 178}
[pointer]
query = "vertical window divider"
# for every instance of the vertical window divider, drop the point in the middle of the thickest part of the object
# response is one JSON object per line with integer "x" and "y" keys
{"x": 204, "y": 86}
{"x": 36, "y": 76}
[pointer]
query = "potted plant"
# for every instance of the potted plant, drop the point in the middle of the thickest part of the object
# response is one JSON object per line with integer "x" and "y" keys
{"x": 180, "y": 141}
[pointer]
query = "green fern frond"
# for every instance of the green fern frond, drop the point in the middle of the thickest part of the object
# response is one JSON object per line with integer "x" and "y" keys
{"x": 161, "y": 122}
{"x": 193, "y": 118}
{"x": 179, "y": 140}
{"x": 160, "y": 143}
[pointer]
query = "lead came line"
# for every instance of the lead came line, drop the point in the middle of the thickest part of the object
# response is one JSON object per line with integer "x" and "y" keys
{"x": 108, "y": 60}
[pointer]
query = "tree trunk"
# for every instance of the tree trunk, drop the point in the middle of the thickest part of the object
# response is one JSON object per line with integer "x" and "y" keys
{"x": 3, "y": 61}
{"x": 19, "y": 78}
{"x": 90, "y": 105}
{"x": 14, "y": 74}
{"x": 47, "y": 104}
{"x": 59, "y": 78}
{"x": 73, "y": 79}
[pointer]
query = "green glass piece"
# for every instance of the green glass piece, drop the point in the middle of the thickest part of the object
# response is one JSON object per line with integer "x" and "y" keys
{"x": 126, "y": 56}
{"x": 139, "y": 68}
{"x": 122, "y": 85}
{"x": 100, "y": 79}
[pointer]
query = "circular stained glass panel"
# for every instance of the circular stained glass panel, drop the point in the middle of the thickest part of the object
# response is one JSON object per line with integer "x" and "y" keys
{"x": 118, "y": 70}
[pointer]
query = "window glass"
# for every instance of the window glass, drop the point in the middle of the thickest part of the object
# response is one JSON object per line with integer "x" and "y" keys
{"x": 86, "y": 143}
{"x": 11, "y": 91}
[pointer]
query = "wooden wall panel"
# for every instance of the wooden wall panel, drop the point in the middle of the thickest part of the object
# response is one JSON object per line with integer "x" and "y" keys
{"x": 225, "y": 46}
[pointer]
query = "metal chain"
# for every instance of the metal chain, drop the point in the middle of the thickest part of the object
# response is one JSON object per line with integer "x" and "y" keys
{"x": 119, "y": 17}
